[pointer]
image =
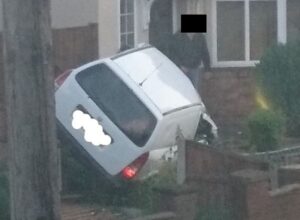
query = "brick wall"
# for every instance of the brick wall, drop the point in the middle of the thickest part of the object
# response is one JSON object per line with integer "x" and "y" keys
{"x": 183, "y": 201}
{"x": 229, "y": 95}
{"x": 257, "y": 202}
{"x": 251, "y": 191}
{"x": 289, "y": 175}
{"x": 208, "y": 184}
{"x": 206, "y": 162}
{"x": 286, "y": 203}
{"x": 250, "y": 198}
{"x": 242, "y": 184}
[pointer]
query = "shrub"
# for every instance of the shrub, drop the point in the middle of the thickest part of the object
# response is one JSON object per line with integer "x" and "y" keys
{"x": 265, "y": 129}
{"x": 138, "y": 194}
{"x": 278, "y": 76}
{"x": 167, "y": 175}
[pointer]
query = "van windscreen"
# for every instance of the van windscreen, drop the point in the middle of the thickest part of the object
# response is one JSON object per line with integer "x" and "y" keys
{"x": 118, "y": 102}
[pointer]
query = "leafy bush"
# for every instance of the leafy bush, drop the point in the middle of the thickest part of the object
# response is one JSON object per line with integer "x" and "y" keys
{"x": 265, "y": 129}
{"x": 167, "y": 175}
{"x": 138, "y": 194}
{"x": 4, "y": 197}
{"x": 278, "y": 76}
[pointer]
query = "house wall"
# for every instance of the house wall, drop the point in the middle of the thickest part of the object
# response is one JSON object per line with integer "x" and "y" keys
{"x": 229, "y": 95}
{"x": 108, "y": 28}
{"x": 109, "y": 24}
{"x": 73, "y": 13}
{"x": 142, "y": 31}
{"x": 70, "y": 13}
{"x": 180, "y": 8}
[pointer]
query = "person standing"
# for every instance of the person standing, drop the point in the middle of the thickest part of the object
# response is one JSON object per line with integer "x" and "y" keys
{"x": 188, "y": 51}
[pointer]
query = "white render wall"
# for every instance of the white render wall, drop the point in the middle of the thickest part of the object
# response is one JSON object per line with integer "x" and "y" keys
{"x": 108, "y": 29}
{"x": 70, "y": 13}
{"x": 141, "y": 29}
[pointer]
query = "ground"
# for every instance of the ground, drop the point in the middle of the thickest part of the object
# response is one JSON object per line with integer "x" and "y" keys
{"x": 76, "y": 211}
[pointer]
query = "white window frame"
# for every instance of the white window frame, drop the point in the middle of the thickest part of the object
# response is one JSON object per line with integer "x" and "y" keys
{"x": 281, "y": 32}
{"x": 134, "y": 23}
{"x": 175, "y": 13}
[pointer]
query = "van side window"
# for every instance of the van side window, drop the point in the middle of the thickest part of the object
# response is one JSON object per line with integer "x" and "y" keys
{"x": 118, "y": 102}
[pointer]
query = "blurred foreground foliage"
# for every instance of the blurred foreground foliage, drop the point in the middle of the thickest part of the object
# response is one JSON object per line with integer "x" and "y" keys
{"x": 4, "y": 195}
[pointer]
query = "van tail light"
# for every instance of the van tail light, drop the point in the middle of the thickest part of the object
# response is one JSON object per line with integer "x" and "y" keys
{"x": 132, "y": 169}
{"x": 61, "y": 78}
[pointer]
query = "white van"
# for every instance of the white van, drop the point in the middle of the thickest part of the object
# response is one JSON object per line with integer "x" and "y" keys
{"x": 119, "y": 109}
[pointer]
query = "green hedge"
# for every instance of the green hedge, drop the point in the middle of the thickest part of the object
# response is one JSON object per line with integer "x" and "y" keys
{"x": 278, "y": 76}
{"x": 265, "y": 129}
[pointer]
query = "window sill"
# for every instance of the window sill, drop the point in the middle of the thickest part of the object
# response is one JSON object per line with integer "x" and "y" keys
{"x": 234, "y": 64}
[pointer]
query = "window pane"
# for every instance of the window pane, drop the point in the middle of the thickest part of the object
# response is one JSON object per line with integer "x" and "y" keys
{"x": 130, "y": 6}
{"x": 130, "y": 22}
{"x": 230, "y": 31}
{"x": 123, "y": 6}
{"x": 123, "y": 23}
{"x": 130, "y": 40}
{"x": 118, "y": 102}
{"x": 293, "y": 18}
{"x": 263, "y": 27}
{"x": 123, "y": 40}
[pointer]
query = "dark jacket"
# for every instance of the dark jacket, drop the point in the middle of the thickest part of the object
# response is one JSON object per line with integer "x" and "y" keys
{"x": 189, "y": 53}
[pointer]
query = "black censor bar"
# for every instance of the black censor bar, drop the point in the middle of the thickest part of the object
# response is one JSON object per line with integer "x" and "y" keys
{"x": 193, "y": 23}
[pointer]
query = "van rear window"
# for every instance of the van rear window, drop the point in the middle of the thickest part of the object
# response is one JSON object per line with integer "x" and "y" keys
{"x": 118, "y": 102}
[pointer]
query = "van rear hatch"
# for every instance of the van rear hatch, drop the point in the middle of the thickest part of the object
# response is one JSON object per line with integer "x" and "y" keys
{"x": 161, "y": 80}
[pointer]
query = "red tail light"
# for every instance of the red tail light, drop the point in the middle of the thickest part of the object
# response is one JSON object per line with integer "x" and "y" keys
{"x": 61, "y": 78}
{"x": 132, "y": 169}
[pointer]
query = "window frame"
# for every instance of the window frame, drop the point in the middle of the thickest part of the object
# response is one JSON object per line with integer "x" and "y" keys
{"x": 281, "y": 32}
{"x": 134, "y": 24}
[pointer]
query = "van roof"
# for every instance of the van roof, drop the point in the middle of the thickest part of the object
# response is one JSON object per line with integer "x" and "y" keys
{"x": 161, "y": 80}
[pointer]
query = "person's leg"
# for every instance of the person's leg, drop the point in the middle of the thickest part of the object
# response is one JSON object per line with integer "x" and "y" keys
{"x": 194, "y": 75}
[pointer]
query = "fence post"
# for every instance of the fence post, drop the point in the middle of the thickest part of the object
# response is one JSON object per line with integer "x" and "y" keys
{"x": 181, "y": 160}
{"x": 273, "y": 171}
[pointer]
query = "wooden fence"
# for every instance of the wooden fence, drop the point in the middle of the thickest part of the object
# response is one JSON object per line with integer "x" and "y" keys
{"x": 73, "y": 47}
